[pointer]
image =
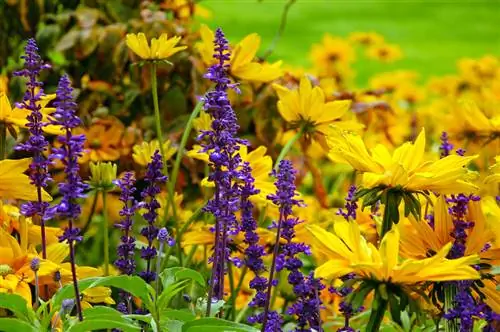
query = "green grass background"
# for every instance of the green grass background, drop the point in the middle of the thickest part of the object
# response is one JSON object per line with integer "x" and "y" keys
{"x": 433, "y": 34}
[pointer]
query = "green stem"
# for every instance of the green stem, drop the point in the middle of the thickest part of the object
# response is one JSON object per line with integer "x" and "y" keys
{"x": 105, "y": 233}
{"x": 190, "y": 255}
{"x": 288, "y": 146}
{"x": 386, "y": 220}
{"x": 3, "y": 141}
{"x": 377, "y": 314}
{"x": 175, "y": 170}
{"x": 184, "y": 139}
{"x": 236, "y": 291}
{"x": 159, "y": 135}
{"x": 450, "y": 292}
{"x": 233, "y": 293}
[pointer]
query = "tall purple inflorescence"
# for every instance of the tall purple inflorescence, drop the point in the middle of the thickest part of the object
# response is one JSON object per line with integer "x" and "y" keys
{"x": 222, "y": 146}
{"x": 125, "y": 251}
{"x": 306, "y": 288}
{"x": 254, "y": 252}
{"x": 154, "y": 179}
{"x": 125, "y": 261}
{"x": 36, "y": 144}
{"x": 73, "y": 187}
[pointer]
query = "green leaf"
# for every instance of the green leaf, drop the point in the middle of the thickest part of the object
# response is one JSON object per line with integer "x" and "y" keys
{"x": 216, "y": 325}
{"x": 101, "y": 324}
{"x": 102, "y": 312}
{"x": 174, "y": 274}
{"x": 395, "y": 309}
{"x": 18, "y": 305}
{"x": 174, "y": 314}
{"x": 168, "y": 293}
{"x": 68, "y": 291}
{"x": 148, "y": 319}
{"x": 131, "y": 284}
{"x": 16, "y": 325}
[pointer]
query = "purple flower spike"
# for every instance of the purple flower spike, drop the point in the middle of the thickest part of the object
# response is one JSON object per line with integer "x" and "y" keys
{"x": 154, "y": 178}
{"x": 222, "y": 145}
{"x": 73, "y": 188}
{"x": 36, "y": 144}
{"x": 125, "y": 261}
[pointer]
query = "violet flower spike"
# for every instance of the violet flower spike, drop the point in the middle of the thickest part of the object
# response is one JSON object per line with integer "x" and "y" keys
{"x": 154, "y": 178}
{"x": 36, "y": 144}
{"x": 222, "y": 145}
{"x": 73, "y": 188}
{"x": 125, "y": 261}
{"x": 285, "y": 200}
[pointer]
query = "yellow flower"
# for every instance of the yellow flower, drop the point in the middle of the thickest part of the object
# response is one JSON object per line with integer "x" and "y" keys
{"x": 260, "y": 163}
{"x": 15, "y": 271}
{"x": 332, "y": 50}
{"x": 306, "y": 107}
{"x": 406, "y": 167}
{"x": 160, "y": 49}
{"x": 143, "y": 152}
{"x": 475, "y": 120}
{"x": 14, "y": 184}
{"x": 242, "y": 64}
{"x": 349, "y": 252}
{"x": 420, "y": 240}
{"x": 203, "y": 122}
{"x": 366, "y": 38}
{"x": 11, "y": 221}
{"x": 384, "y": 52}
{"x": 14, "y": 118}
{"x": 96, "y": 295}
{"x": 103, "y": 141}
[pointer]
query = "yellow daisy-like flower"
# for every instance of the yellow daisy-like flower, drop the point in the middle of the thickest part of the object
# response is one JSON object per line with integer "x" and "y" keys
{"x": 11, "y": 221}
{"x": 420, "y": 240}
{"x": 348, "y": 252}
{"x": 14, "y": 184}
{"x": 203, "y": 122}
{"x": 405, "y": 167}
{"x": 15, "y": 271}
{"x": 96, "y": 295}
{"x": 384, "y": 52}
{"x": 242, "y": 64}
{"x": 14, "y": 118}
{"x": 332, "y": 52}
{"x": 143, "y": 152}
{"x": 366, "y": 38}
{"x": 306, "y": 108}
{"x": 160, "y": 48}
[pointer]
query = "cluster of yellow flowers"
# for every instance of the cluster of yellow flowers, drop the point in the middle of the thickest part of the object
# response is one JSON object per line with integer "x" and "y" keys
{"x": 394, "y": 139}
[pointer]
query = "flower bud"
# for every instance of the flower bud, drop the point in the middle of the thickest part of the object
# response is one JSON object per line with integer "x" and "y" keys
{"x": 35, "y": 264}
{"x": 102, "y": 175}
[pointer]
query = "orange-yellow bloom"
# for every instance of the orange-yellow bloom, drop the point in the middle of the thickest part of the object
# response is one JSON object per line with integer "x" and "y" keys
{"x": 406, "y": 167}
{"x": 160, "y": 48}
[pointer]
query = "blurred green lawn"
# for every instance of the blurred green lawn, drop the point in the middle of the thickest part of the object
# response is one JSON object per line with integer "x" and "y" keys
{"x": 433, "y": 34}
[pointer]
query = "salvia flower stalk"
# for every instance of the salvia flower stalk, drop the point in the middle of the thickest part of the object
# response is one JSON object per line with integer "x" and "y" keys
{"x": 154, "y": 179}
{"x": 222, "y": 145}
{"x": 285, "y": 200}
{"x": 73, "y": 188}
{"x": 37, "y": 144}
{"x": 125, "y": 261}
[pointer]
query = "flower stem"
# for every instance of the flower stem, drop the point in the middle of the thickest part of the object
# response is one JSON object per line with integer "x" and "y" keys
{"x": 105, "y": 232}
{"x": 3, "y": 141}
{"x": 73, "y": 273}
{"x": 288, "y": 146}
{"x": 377, "y": 314}
{"x": 158, "y": 266}
{"x": 37, "y": 291}
{"x": 271, "y": 272}
{"x": 159, "y": 135}
{"x": 386, "y": 220}
{"x": 450, "y": 292}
